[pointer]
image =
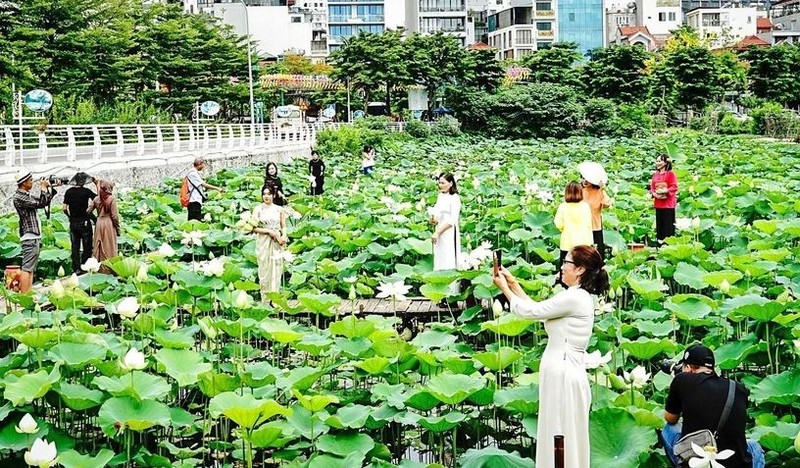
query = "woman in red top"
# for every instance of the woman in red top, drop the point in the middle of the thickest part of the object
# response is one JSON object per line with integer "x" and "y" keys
{"x": 663, "y": 189}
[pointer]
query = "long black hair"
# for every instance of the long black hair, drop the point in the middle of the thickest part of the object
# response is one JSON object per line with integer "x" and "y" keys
{"x": 267, "y": 175}
{"x": 594, "y": 278}
{"x": 450, "y": 178}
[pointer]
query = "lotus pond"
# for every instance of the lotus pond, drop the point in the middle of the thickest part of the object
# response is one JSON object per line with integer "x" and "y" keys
{"x": 224, "y": 380}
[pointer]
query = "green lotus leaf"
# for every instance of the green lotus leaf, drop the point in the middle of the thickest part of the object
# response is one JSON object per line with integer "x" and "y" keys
{"x": 36, "y": 338}
{"x": 493, "y": 457}
{"x": 689, "y": 275}
{"x": 79, "y": 398}
{"x": 258, "y": 374}
{"x": 178, "y": 339}
{"x": 782, "y": 389}
{"x": 422, "y": 400}
{"x": 650, "y": 290}
{"x": 345, "y": 444}
{"x": 352, "y": 327}
{"x": 212, "y": 384}
{"x": 354, "y": 348}
{"x": 350, "y": 416}
{"x": 301, "y": 378}
{"x": 392, "y": 394}
{"x": 437, "y": 424}
{"x": 280, "y": 331}
{"x": 26, "y": 388}
{"x": 139, "y": 385}
{"x": 657, "y": 329}
{"x": 523, "y": 400}
{"x": 716, "y": 278}
{"x": 183, "y": 365}
{"x": 500, "y": 359}
{"x": 73, "y": 459}
{"x": 314, "y": 403}
{"x": 76, "y": 354}
{"x": 435, "y": 292}
{"x": 196, "y": 284}
{"x": 753, "y": 306}
{"x": 245, "y": 410}
{"x": 323, "y": 304}
{"x": 778, "y": 438}
{"x": 732, "y": 355}
{"x": 644, "y": 348}
{"x": 452, "y": 389}
{"x": 304, "y": 422}
{"x": 124, "y": 267}
{"x": 236, "y": 328}
{"x": 507, "y": 325}
{"x": 430, "y": 339}
{"x": 268, "y": 435}
{"x": 615, "y": 438}
{"x": 374, "y": 365}
{"x": 767, "y": 226}
{"x": 689, "y": 307}
{"x": 442, "y": 277}
{"x": 129, "y": 414}
{"x": 330, "y": 461}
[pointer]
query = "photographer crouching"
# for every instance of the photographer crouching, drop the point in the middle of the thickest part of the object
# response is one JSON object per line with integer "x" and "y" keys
{"x": 30, "y": 229}
{"x": 714, "y": 411}
{"x": 76, "y": 202}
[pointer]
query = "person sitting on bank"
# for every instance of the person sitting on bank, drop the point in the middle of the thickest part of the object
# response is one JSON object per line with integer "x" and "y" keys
{"x": 698, "y": 395}
{"x": 30, "y": 229}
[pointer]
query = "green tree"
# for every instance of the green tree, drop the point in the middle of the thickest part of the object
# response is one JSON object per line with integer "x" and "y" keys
{"x": 773, "y": 73}
{"x": 438, "y": 59}
{"x": 555, "y": 65}
{"x": 618, "y": 73}
{"x": 486, "y": 73}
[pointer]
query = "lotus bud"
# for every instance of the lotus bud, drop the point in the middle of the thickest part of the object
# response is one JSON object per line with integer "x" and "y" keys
{"x": 352, "y": 294}
{"x": 166, "y": 250}
{"x": 141, "y": 274}
{"x": 91, "y": 265}
{"x": 57, "y": 289}
{"x": 211, "y": 255}
{"x": 61, "y": 271}
{"x": 42, "y": 454}
{"x": 696, "y": 222}
{"x": 242, "y": 300}
{"x": 497, "y": 308}
{"x": 27, "y": 425}
{"x": 72, "y": 281}
{"x": 724, "y": 286}
{"x": 133, "y": 360}
{"x": 207, "y": 217}
{"x": 797, "y": 443}
{"x": 128, "y": 307}
{"x": 611, "y": 293}
{"x": 619, "y": 291}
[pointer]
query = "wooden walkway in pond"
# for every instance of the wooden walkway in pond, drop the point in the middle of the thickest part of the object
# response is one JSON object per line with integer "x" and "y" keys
{"x": 411, "y": 306}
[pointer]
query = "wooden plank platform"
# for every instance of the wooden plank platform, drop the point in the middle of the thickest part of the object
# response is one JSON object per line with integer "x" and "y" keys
{"x": 411, "y": 306}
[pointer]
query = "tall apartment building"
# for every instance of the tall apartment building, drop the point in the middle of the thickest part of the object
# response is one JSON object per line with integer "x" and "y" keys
{"x": 723, "y": 26}
{"x": 519, "y": 30}
{"x": 447, "y": 16}
{"x": 785, "y": 17}
{"x": 346, "y": 18}
{"x": 581, "y": 21}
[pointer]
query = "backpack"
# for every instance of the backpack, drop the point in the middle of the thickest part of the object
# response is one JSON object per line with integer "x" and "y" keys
{"x": 185, "y": 193}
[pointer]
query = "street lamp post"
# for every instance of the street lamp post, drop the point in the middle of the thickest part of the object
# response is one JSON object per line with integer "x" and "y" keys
{"x": 249, "y": 66}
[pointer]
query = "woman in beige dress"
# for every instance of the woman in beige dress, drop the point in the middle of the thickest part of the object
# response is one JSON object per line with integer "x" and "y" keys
{"x": 270, "y": 242}
{"x": 107, "y": 228}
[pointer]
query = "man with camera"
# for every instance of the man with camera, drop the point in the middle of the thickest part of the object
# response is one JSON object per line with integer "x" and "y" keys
{"x": 30, "y": 229}
{"x": 707, "y": 401}
{"x": 197, "y": 194}
{"x": 76, "y": 204}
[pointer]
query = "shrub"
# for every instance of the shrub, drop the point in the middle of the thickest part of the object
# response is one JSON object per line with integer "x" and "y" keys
{"x": 349, "y": 139}
{"x": 605, "y": 118}
{"x": 379, "y": 123}
{"x": 417, "y": 128}
{"x": 537, "y": 110}
{"x": 773, "y": 120}
{"x": 730, "y": 125}
{"x": 447, "y": 125}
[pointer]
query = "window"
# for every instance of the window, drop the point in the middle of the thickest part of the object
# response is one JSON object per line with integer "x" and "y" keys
{"x": 544, "y": 6}
{"x": 339, "y": 13}
{"x": 571, "y": 16}
{"x": 524, "y": 37}
{"x": 662, "y": 16}
{"x": 672, "y": 16}
{"x": 544, "y": 26}
{"x": 544, "y": 45}
{"x": 297, "y": 19}
{"x": 371, "y": 13}
{"x": 749, "y": 19}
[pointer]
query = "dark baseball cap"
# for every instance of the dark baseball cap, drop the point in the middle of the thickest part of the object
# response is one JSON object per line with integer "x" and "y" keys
{"x": 698, "y": 355}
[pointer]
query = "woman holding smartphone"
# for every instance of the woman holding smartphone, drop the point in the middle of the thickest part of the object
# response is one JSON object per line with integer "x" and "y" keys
{"x": 564, "y": 394}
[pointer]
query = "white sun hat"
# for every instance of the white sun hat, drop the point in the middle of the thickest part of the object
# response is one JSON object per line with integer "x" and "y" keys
{"x": 22, "y": 175}
{"x": 593, "y": 173}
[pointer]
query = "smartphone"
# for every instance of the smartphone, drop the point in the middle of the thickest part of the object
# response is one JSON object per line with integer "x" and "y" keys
{"x": 498, "y": 261}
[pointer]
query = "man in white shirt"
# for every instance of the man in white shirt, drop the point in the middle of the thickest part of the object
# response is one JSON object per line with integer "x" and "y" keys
{"x": 197, "y": 194}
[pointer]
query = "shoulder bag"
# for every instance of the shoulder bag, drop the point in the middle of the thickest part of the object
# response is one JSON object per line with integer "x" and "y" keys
{"x": 704, "y": 437}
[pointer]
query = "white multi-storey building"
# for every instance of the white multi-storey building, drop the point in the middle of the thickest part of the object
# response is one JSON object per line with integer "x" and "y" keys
{"x": 785, "y": 17}
{"x": 346, "y": 18}
{"x": 654, "y": 19}
{"x": 723, "y": 26}
{"x": 446, "y": 16}
{"x": 526, "y": 26}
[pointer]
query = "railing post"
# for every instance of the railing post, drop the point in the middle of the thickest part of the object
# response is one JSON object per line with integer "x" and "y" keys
{"x": 176, "y": 143}
{"x": 139, "y": 141}
{"x": 97, "y": 149}
{"x": 11, "y": 145}
{"x": 261, "y": 134}
{"x": 191, "y": 137}
{"x": 218, "y": 143}
{"x": 231, "y": 136}
{"x": 242, "y": 135}
{"x": 72, "y": 149}
{"x": 42, "y": 147}
{"x": 205, "y": 137}
{"x": 120, "y": 150}
{"x": 159, "y": 141}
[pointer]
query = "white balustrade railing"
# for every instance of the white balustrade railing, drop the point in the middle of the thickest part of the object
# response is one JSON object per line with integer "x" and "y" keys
{"x": 31, "y": 145}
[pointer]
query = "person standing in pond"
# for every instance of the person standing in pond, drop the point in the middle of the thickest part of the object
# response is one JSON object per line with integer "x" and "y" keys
{"x": 107, "y": 229}
{"x": 270, "y": 242}
{"x": 30, "y": 228}
{"x": 271, "y": 179}
{"x": 594, "y": 193}
{"x": 76, "y": 202}
{"x": 368, "y": 160}
{"x": 197, "y": 193}
{"x": 316, "y": 169}
{"x": 565, "y": 397}
{"x": 444, "y": 216}
{"x": 574, "y": 220}
{"x": 664, "y": 190}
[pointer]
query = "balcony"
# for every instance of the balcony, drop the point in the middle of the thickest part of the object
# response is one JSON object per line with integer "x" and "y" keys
{"x": 545, "y": 33}
{"x": 545, "y": 13}
{"x": 356, "y": 19}
{"x": 321, "y": 46}
{"x": 442, "y": 9}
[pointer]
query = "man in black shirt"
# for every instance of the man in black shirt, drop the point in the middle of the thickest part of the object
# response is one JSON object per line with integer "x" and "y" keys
{"x": 316, "y": 168}
{"x": 76, "y": 203}
{"x": 698, "y": 394}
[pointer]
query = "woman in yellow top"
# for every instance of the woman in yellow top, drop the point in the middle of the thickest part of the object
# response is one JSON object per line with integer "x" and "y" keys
{"x": 574, "y": 220}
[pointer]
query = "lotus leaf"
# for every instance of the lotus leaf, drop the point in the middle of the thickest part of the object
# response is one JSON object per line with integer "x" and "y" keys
{"x": 314, "y": 403}
{"x": 36, "y": 338}
{"x": 778, "y": 438}
{"x": 309, "y": 425}
{"x": 126, "y": 267}
{"x": 782, "y": 389}
{"x": 26, "y": 388}
{"x": 731, "y": 355}
{"x": 430, "y": 339}
{"x": 76, "y": 354}
{"x": 212, "y": 384}
{"x": 139, "y": 385}
{"x": 650, "y": 290}
{"x": 280, "y": 331}
{"x": 178, "y": 339}
{"x": 128, "y": 414}
{"x": 323, "y": 304}
{"x": 690, "y": 275}
{"x": 79, "y": 398}
{"x": 352, "y": 327}
{"x": 374, "y": 365}
{"x": 245, "y": 410}
{"x": 753, "y": 306}
{"x": 500, "y": 359}
{"x": 422, "y": 400}
{"x": 507, "y": 325}
{"x": 442, "y": 423}
{"x": 350, "y": 416}
{"x": 435, "y": 292}
{"x": 73, "y": 459}
{"x": 644, "y": 348}
{"x": 690, "y": 307}
{"x": 523, "y": 400}
{"x": 716, "y": 278}
{"x": 452, "y": 389}
{"x": 493, "y": 457}
{"x": 301, "y": 378}
{"x": 183, "y": 365}
{"x": 269, "y": 435}
{"x": 615, "y": 438}
{"x": 344, "y": 444}
{"x": 330, "y": 461}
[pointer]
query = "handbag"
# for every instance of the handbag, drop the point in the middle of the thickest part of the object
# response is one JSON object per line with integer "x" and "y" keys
{"x": 704, "y": 437}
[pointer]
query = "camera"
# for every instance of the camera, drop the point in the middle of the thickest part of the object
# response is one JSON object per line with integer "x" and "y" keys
{"x": 80, "y": 178}
{"x": 55, "y": 180}
{"x": 670, "y": 367}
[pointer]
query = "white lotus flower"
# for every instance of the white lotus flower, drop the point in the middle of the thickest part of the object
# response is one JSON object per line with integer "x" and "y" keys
{"x": 193, "y": 238}
{"x": 544, "y": 196}
{"x": 717, "y": 191}
{"x": 350, "y": 279}
{"x": 708, "y": 458}
{"x": 594, "y": 359}
{"x": 604, "y": 307}
{"x": 294, "y": 213}
{"x": 286, "y": 255}
{"x": 683, "y": 224}
{"x": 42, "y": 454}
{"x": 133, "y": 360}
{"x": 497, "y": 308}
{"x": 128, "y": 307}
{"x": 393, "y": 189}
{"x": 91, "y": 265}
{"x": 72, "y": 281}
{"x": 57, "y": 289}
{"x": 724, "y": 286}
{"x": 638, "y": 377}
{"x": 166, "y": 250}
{"x": 242, "y": 300}
{"x": 513, "y": 179}
{"x": 531, "y": 188}
{"x": 396, "y": 290}
{"x": 495, "y": 165}
{"x": 207, "y": 217}
{"x": 213, "y": 267}
{"x": 696, "y": 222}
{"x": 245, "y": 216}
{"x": 27, "y": 425}
{"x": 476, "y": 183}
{"x": 61, "y": 271}
{"x": 734, "y": 183}
{"x": 141, "y": 274}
